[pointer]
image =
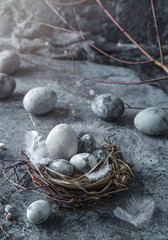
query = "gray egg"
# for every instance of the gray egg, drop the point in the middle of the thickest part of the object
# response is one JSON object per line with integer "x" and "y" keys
{"x": 86, "y": 144}
{"x": 99, "y": 154}
{"x": 152, "y": 121}
{"x": 9, "y": 61}
{"x": 38, "y": 212}
{"x": 61, "y": 166}
{"x": 7, "y": 85}
{"x": 39, "y": 100}
{"x": 62, "y": 142}
{"x": 107, "y": 107}
{"x": 83, "y": 162}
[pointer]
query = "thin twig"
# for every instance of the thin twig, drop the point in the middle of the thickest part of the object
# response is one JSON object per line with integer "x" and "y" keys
{"x": 157, "y": 32}
{"x": 3, "y": 231}
{"x": 91, "y": 44}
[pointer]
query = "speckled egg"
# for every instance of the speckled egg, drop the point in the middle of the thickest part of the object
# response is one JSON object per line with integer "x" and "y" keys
{"x": 86, "y": 144}
{"x": 152, "y": 121}
{"x": 107, "y": 107}
{"x": 7, "y": 85}
{"x": 83, "y": 162}
{"x": 61, "y": 166}
{"x": 9, "y": 61}
{"x": 99, "y": 154}
{"x": 38, "y": 212}
{"x": 62, "y": 142}
{"x": 39, "y": 100}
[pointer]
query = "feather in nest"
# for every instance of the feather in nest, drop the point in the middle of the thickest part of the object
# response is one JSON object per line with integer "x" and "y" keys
{"x": 92, "y": 127}
{"x": 137, "y": 212}
{"x": 35, "y": 149}
{"x": 97, "y": 175}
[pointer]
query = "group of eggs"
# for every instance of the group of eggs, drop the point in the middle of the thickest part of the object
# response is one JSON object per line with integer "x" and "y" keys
{"x": 68, "y": 153}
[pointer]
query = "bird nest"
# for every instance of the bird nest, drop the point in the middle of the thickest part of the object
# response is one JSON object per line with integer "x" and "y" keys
{"x": 77, "y": 190}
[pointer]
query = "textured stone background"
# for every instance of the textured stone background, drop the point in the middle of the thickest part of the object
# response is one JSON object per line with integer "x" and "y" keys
{"x": 149, "y": 156}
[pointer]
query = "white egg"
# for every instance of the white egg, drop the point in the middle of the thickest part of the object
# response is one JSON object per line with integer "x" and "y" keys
{"x": 39, "y": 100}
{"x": 9, "y": 61}
{"x": 152, "y": 121}
{"x": 62, "y": 142}
{"x": 38, "y": 212}
{"x": 83, "y": 162}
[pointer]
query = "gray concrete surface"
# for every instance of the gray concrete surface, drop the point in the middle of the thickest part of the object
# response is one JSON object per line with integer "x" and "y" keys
{"x": 148, "y": 154}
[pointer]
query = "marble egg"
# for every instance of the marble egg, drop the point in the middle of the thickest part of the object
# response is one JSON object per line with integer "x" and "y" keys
{"x": 152, "y": 121}
{"x": 99, "y": 154}
{"x": 62, "y": 142}
{"x": 7, "y": 85}
{"x": 38, "y": 212}
{"x": 39, "y": 100}
{"x": 61, "y": 166}
{"x": 86, "y": 144}
{"x": 83, "y": 162}
{"x": 9, "y": 61}
{"x": 107, "y": 107}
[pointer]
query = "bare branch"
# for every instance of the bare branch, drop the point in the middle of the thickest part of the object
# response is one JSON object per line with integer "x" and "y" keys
{"x": 157, "y": 32}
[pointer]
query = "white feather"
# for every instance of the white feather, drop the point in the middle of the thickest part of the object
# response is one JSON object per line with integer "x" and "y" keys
{"x": 137, "y": 211}
{"x": 101, "y": 173}
{"x": 92, "y": 127}
{"x": 35, "y": 149}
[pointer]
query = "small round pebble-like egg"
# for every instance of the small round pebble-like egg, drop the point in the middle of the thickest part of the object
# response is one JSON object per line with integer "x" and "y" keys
{"x": 86, "y": 144}
{"x": 83, "y": 162}
{"x": 7, "y": 85}
{"x": 107, "y": 107}
{"x": 38, "y": 212}
{"x": 39, "y": 100}
{"x": 61, "y": 166}
{"x": 100, "y": 154}
{"x": 152, "y": 121}
{"x": 62, "y": 142}
{"x": 9, "y": 61}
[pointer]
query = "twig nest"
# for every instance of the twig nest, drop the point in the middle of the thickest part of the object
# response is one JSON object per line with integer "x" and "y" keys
{"x": 61, "y": 166}
{"x": 152, "y": 121}
{"x": 7, "y": 85}
{"x": 62, "y": 142}
{"x": 39, "y": 100}
{"x": 87, "y": 144}
{"x": 100, "y": 154}
{"x": 38, "y": 212}
{"x": 107, "y": 107}
{"x": 9, "y": 61}
{"x": 83, "y": 162}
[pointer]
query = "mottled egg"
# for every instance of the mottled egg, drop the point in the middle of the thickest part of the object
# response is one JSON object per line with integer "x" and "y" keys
{"x": 39, "y": 100}
{"x": 83, "y": 162}
{"x": 9, "y": 61}
{"x": 107, "y": 107}
{"x": 38, "y": 212}
{"x": 152, "y": 121}
{"x": 7, "y": 85}
{"x": 86, "y": 144}
{"x": 62, "y": 142}
{"x": 61, "y": 166}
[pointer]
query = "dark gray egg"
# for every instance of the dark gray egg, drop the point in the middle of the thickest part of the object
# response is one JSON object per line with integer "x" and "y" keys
{"x": 86, "y": 144}
{"x": 61, "y": 166}
{"x": 107, "y": 107}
